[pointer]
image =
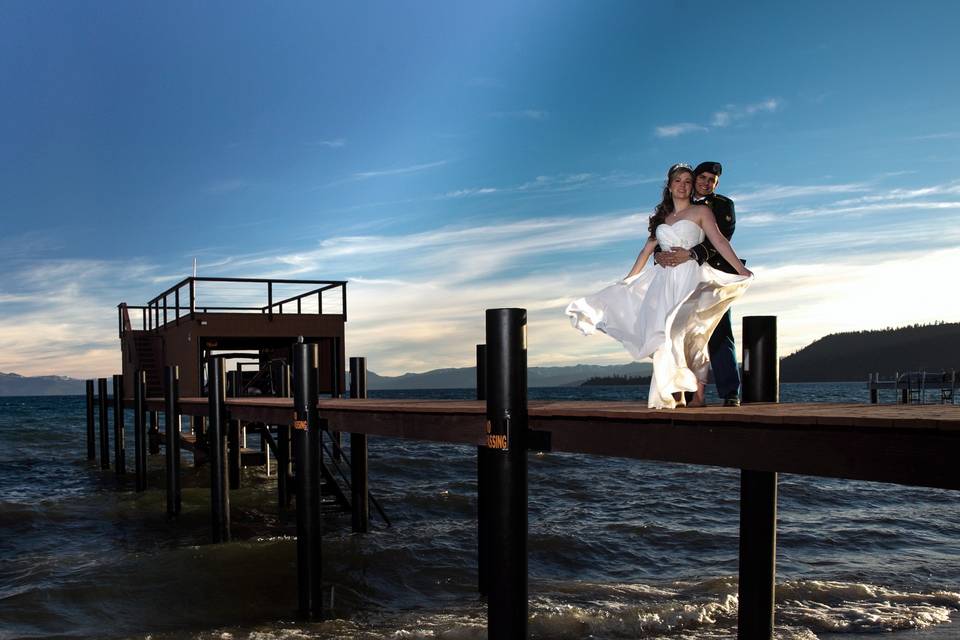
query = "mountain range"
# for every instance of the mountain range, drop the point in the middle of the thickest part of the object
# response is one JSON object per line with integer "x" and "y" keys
{"x": 837, "y": 357}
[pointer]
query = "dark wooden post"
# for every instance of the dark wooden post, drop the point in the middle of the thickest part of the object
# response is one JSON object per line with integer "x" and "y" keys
{"x": 335, "y": 392}
{"x": 104, "y": 426}
{"x": 758, "y": 490}
{"x": 483, "y": 489}
{"x": 172, "y": 437}
{"x": 233, "y": 434}
{"x": 216, "y": 447}
{"x": 153, "y": 436}
{"x": 140, "y": 429}
{"x": 119, "y": 444}
{"x": 359, "y": 480}
{"x": 198, "y": 428}
{"x": 506, "y": 438}
{"x": 91, "y": 434}
{"x": 283, "y": 448}
{"x": 873, "y": 379}
{"x": 306, "y": 444}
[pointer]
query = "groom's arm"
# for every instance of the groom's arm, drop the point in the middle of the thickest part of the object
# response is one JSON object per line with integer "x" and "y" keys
{"x": 724, "y": 212}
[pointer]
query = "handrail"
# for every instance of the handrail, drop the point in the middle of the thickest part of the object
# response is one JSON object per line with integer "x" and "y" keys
{"x": 156, "y": 313}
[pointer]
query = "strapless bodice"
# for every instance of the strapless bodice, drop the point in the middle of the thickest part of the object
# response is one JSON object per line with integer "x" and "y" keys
{"x": 682, "y": 233}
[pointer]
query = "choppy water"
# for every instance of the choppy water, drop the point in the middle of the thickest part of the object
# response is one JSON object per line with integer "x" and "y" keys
{"x": 618, "y": 548}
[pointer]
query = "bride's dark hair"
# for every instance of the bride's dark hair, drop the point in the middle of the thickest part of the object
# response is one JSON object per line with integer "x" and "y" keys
{"x": 665, "y": 207}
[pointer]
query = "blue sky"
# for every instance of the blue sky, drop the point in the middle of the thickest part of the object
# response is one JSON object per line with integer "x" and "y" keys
{"x": 450, "y": 157}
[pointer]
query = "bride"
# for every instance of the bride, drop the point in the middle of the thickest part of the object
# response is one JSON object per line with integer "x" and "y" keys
{"x": 669, "y": 313}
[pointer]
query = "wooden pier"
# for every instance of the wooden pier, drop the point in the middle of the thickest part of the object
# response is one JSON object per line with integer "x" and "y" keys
{"x": 905, "y": 444}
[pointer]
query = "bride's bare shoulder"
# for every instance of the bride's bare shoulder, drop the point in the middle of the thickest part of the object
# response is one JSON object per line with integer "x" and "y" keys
{"x": 702, "y": 211}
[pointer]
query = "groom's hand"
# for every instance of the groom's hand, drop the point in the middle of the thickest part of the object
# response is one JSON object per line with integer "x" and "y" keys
{"x": 672, "y": 258}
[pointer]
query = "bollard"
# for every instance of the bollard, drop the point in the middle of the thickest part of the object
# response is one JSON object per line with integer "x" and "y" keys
{"x": 119, "y": 445}
{"x": 104, "y": 433}
{"x": 172, "y": 437}
{"x": 140, "y": 429}
{"x": 233, "y": 434}
{"x": 483, "y": 472}
{"x": 91, "y": 435}
{"x": 873, "y": 380}
{"x": 216, "y": 448}
{"x": 154, "y": 434}
{"x": 758, "y": 490}
{"x": 506, "y": 439}
{"x": 359, "y": 477}
{"x": 306, "y": 446}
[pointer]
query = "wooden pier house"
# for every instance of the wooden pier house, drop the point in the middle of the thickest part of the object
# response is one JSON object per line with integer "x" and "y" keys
{"x": 250, "y": 318}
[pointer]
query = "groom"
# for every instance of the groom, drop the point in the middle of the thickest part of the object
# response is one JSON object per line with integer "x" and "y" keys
{"x": 723, "y": 350}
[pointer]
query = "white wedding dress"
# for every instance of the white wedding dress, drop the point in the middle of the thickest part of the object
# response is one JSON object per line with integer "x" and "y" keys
{"x": 667, "y": 314}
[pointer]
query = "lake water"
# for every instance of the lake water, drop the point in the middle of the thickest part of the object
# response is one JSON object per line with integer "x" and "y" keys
{"x": 617, "y": 548}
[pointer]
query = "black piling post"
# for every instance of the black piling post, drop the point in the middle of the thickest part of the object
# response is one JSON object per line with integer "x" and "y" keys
{"x": 119, "y": 444}
{"x": 104, "y": 426}
{"x": 306, "y": 445}
{"x": 483, "y": 489}
{"x": 506, "y": 439}
{"x": 140, "y": 429}
{"x": 283, "y": 448}
{"x": 758, "y": 490}
{"x": 172, "y": 437}
{"x": 359, "y": 479}
{"x": 233, "y": 434}
{"x": 873, "y": 380}
{"x": 153, "y": 436}
{"x": 91, "y": 434}
{"x": 335, "y": 392}
{"x": 216, "y": 448}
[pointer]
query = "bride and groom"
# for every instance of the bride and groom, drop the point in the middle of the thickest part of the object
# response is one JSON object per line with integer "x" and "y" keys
{"x": 676, "y": 312}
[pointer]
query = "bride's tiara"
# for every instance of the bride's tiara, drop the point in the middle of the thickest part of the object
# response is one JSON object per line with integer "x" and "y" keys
{"x": 680, "y": 165}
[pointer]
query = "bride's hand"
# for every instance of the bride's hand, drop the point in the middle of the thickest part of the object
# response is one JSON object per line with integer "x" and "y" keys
{"x": 746, "y": 272}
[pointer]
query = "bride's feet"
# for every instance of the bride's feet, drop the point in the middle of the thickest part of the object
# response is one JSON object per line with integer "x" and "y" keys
{"x": 698, "y": 399}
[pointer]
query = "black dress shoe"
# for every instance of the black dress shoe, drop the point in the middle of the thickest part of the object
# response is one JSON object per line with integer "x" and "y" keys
{"x": 732, "y": 401}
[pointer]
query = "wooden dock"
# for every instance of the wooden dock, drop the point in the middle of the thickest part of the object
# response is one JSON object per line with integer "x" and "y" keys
{"x": 905, "y": 444}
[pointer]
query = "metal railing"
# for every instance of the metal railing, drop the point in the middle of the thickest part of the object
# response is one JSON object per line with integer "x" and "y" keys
{"x": 166, "y": 308}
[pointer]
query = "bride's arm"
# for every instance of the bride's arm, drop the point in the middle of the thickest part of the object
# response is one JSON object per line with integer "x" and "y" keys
{"x": 642, "y": 258}
{"x": 709, "y": 225}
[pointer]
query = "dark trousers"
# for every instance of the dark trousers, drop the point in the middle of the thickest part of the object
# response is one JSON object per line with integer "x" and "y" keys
{"x": 723, "y": 359}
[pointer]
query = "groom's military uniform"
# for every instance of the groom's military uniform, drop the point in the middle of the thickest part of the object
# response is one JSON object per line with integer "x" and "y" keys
{"x": 723, "y": 211}
{"x": 722, "y": 348}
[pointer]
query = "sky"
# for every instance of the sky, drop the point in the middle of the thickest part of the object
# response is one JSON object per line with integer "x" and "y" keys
{"x": 449, "y": 157}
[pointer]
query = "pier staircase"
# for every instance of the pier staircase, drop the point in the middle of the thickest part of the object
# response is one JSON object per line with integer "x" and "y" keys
{"x": 148, "y": 356}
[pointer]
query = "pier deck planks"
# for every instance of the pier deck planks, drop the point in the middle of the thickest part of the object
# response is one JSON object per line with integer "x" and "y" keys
{"x": 905, "y": 444}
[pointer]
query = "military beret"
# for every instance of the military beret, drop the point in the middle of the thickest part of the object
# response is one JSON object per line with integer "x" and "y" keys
{"x": 713, "y": 167}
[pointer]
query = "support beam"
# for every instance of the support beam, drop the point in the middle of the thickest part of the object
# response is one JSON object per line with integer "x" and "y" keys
{"x": 233, "y": 434}
{"x": 91, "y": 434}
{"x": 104, "y": 426}
{"x": 172, "y": 437}
{"x": 359, "y": 480}
{"x": 216, "y": 447}
{"x": 119, "y": 444}
{"x": 758, "y": 490}
{"x": 483, "y": 488}
{"x": 140, "y": 429}
{"x": 153, "y": 436}
{"x": 506, "y": 439}
{"x": 306, "y": 445}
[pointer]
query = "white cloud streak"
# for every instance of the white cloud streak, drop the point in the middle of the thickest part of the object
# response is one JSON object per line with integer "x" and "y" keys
{"x": 730, "y": 115}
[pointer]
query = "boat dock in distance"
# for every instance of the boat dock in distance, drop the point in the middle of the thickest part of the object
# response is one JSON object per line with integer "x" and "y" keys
{"x": 902, "y": 443}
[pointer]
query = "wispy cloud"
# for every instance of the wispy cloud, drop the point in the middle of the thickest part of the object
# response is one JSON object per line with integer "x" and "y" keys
{"x": 725, "y": 117}
{"x": 524, "y": 114}
{"x": 364, "y": 175}
{"x": 556, "y": 183}
{"x": 674, "y": 130}
{"x": 380, "y": 173}
{"x": 335, "y": 143}
{"x": 946, "y": 135}
{"x": 733, "y": 113}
